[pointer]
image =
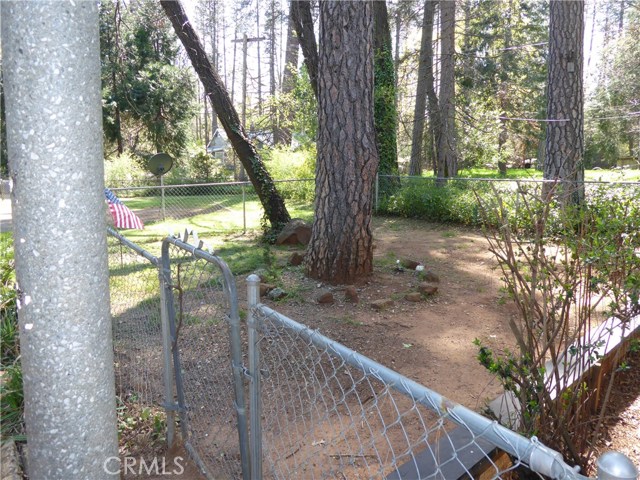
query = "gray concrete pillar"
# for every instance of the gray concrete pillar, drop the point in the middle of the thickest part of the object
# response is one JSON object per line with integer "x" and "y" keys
{"x": 51, "y": 66}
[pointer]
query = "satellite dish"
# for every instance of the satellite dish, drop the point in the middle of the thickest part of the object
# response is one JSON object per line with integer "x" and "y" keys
{"x": 160, "y": 164}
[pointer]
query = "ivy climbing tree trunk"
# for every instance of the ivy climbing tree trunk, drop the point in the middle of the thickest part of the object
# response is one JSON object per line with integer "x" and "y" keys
{"x": 273, "y": 204}
{"x": 385, "y": 113}
{"x": 565, "y": 104}
{"x": 341, "y": 246}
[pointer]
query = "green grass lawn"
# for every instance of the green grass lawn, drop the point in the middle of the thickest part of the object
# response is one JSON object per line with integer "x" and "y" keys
{"x": 531, "y": 173}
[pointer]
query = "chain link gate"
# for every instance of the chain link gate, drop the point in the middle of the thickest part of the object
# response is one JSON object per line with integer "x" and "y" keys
{"x": 177, "y": 347}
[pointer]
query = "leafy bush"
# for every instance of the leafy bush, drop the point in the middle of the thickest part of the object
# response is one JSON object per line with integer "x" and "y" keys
{"x": 125, "y": 171}
{"x": 564, "y": 268}
{"x": 454, "y": 202}
{"x": 285, "y": 164}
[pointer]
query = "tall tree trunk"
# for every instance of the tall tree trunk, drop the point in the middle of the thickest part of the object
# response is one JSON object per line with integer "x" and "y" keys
{"x": 425, "y": 73}
{"x": 273, "y": 204}
{"x": 385, "y": 114}
{"x": 396, "y": 57}
{"x": 447, "y": 160}
{"x": 565, "y": 134}
{"x": 290, "y": 69}
{"x": 273, "y": 114}
{"x": 503, "y": 94}
{"x": 433, "y": 105}
{"x": 341, "y": 247}
{"x": 303, "y": 22}
{"x": 117, "y": 120}
{"x": 259, "y": 62}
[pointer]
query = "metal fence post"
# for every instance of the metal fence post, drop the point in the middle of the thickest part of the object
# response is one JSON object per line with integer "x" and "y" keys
{"x": 253, "y": 297}
{"x": 244, "y": 211}
{"x": 616, "y": 466}
{"x": 377, "y": 193}
{"x": 167, "y": 369}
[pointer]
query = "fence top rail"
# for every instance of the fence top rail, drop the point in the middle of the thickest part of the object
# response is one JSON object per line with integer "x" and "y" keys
{"x": 136, "y": 248}
{"x": 197, "y": 252}
{"x": 530, "y": 452}
{"x": 513, "y": 180}
{"x": 165, "y": 187}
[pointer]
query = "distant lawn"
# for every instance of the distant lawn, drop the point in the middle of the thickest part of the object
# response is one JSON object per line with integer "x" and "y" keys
{"x": 212, "y": 217}
{"x": 531, "y": 173}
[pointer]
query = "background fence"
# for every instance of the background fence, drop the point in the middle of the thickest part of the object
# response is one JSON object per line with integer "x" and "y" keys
{"x": 315, "y": 408}
{"x": 234, "y": 207}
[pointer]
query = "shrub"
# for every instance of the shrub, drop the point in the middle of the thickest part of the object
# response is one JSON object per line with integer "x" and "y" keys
{"x": 564, "y": 268}
{"x": 454, "y": 202}
{"x": 125, "y": 171}
{"x": 285, "y": 164}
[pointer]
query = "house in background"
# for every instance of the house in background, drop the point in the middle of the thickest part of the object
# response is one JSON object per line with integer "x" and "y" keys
{"x": 219, "y": 145}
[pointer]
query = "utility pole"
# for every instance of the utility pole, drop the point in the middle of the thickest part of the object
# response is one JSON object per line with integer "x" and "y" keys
{"x": 245, "y": 40}
{"x": 64, "y": 320}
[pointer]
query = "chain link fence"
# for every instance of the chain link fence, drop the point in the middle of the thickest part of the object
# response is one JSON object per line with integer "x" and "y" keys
{"x": 270, "y": 398}
{"x": 321, "y": 410}
{"x": 141, "y": 381}
{"x": 211, "y": 207}
{"x": 206, "y": 351}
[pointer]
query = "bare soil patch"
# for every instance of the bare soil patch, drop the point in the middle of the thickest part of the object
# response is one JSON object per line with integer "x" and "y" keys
{"x": 430, "y": 341}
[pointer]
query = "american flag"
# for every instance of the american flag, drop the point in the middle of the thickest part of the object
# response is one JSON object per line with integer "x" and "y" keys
{"x": 123, "y": 217}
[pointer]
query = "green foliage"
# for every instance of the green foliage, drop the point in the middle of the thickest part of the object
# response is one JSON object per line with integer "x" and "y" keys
{"x": 284, "y": 164}
{"x": 12, "y": 398}
{"x": 496, "y": 80}
{"x": 125, "y": 170}
{"x": 141, "y": 429}
{"x": 563, "y": 268}
{"x": 385, "y": 114}
{"x": 147, "y": 99}
{"x": 609, "y": 130}
{"x": 454, "y": 202}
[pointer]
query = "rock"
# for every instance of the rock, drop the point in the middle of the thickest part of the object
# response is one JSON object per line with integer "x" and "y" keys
{"x": 413, "y": 297}
{"x": 409, "y": 264}
{"x": 351, "y": 294}
{"x": 426, "y": 289}
{"x": 276, "y": 294}
{"x": 381, "y": 304}
{"x": 296, "y": 259}
{"x": 429, "y": 276}
{"x": 265, "y": 288}
{"x": 294, "y": 232}
{"x": 325, "y": 297}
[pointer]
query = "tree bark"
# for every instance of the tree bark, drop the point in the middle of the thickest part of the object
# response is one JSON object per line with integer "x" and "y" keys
{"x": 303, "y": 22}
{"x": 503, "y": 93}
{"x": 447, "y": 159}
{"x": 424, "y": 88}
{"x": 341, "y": 246}
{"x": 565, "y": 104}
{"x": 273, "y": 204}
{"x": 288, "y": 76}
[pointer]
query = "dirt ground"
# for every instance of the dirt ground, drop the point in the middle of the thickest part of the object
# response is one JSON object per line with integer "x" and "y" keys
{"x": 431, "y": 341}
